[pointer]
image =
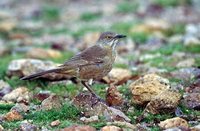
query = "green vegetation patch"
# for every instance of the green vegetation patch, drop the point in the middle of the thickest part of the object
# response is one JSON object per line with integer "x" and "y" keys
{"x": 127, "y": 7}
{"x": 88, "y": 16}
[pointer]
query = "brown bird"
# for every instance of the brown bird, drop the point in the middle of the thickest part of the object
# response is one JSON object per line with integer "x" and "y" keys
{"x": 91, "y": 64}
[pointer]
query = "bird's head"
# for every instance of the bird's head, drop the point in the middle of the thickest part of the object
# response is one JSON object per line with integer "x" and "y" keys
{"x": 109, "y": 39}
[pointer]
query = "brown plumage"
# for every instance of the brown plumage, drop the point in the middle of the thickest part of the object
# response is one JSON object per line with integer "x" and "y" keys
{"x": 91, "y": 64}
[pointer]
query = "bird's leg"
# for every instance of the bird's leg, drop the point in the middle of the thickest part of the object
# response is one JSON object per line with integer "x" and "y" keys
{"x": 93, "y": 93}
{"x": 88, "y": 87}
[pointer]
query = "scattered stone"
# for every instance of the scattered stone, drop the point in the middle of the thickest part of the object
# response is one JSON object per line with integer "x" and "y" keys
{"x": 186, "y": 73}
{"x": 13, "y": 115}
{"x": 147, "y": 87}
{"x": 51, "y": 102}
{"x": 191, "y": 40}
{"x": 1, "y": 128}
{"x": 3, "y": 84}
{"x": 6, "y": 26}
{"x": 177, "y": 129}
{"x": 24, "y": 67}
{"x": 39, "y": 53}
{"x": 113, "y": 97}
{"x": 20, "y": 107}
{"x": 55, "y": 123}
{"x": 173, "y": 122}
{"x": 151, "y": 26}
{"x": 111, "y": 128}
{"x": 195, "y": 128}
{"x": 17, "y": 95}
{"x": 192, "y": 101}
{"x": 92, "y": 106}
{"x": 186, "y": 63}
{"x": 165, "y": 102}
{"x": 90, "y": 119}
{"x": 4, "y": 88}
{"x": 118, "y": 76}
{"x": 126, "y": 125}
{"x": 28, "y": 127}
{"x": 194, "y": 87}
{"x": 42, "y": 95}
{"x": 79, "y": 128}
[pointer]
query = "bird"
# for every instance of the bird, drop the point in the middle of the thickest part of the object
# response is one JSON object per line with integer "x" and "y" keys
{"x": 93, "y": 63}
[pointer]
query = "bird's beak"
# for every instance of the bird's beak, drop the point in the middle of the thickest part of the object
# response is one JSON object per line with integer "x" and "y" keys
{"x": 119, "y": 36}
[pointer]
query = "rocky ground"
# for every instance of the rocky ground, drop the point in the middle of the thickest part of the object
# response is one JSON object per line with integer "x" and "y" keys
{"x": 155, "y": 82}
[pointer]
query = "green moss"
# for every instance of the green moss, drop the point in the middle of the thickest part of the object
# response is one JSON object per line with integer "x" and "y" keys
{"x": 69, "y": 90}
{"x": 88, "y": 16}
{"x": 127, "y": 6}
{"x": 67, "y": 112}
{"x": 122, "y": 27}
{"x": 11, "y": 125}
{"x": 172, "y": 3}
{"x": 192, "y": 49}
{"x": 175, "y": 29}
{"x": 85, "y": 29}
{"x": 4, "y": 108}
{"x": 5, "y": 62}
{"x": 118, "y": 65}
{"x": 139, "y": 37}
{"x": 50, "y": 13}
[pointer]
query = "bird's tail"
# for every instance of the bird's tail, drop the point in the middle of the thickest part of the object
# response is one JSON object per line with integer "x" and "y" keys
{"x": 36, "y": 75}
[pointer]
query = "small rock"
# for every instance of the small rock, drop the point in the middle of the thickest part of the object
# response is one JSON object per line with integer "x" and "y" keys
{"x": 151, "y": 26}
{"x": 191, "y": 40}
{"x": 4, "y": 88}
{"x": 113, "y": 97}
{"x": 28, "y": 127}
{"x": 173, "y": 122}
{"x": 79, "y": 128}
{"x": 126, "y": 125}
{"x": 195, "y": 128}
{"x": 90, "y": 119}
{"x": 51, "y": 102}
{"x": 118, "y": 76}
{"x": 186, "y": 63}
{"x": 186, "y": 73}
{"x": 1, "y": 128}
{"x": 111, "y": 128}
{"x": 25, "y": 67}
{"x": 55, "y": 123}
{"x": 165, "y": 102}
{"x": 92, "y": 106}
{"x": 39, "y": 53}
{"x": 42, "y": 95}
{"x": 177, "y": 129}
{"x": 13, "y": 115}
{"x": 17, "y": 95}
{"x": 3, "y": 84}
{"x": 147, "y": 87}
{"x": 6, "y": 26}
{"x": 20, "y": 107}
{"x": 192, "y": 101}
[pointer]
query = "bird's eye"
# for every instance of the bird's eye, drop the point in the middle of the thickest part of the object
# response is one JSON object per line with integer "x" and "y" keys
{"x": 108, "y": 37}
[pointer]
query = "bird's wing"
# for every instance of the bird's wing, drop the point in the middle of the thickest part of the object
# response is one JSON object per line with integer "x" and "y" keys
{"x": 90, "y": 56}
